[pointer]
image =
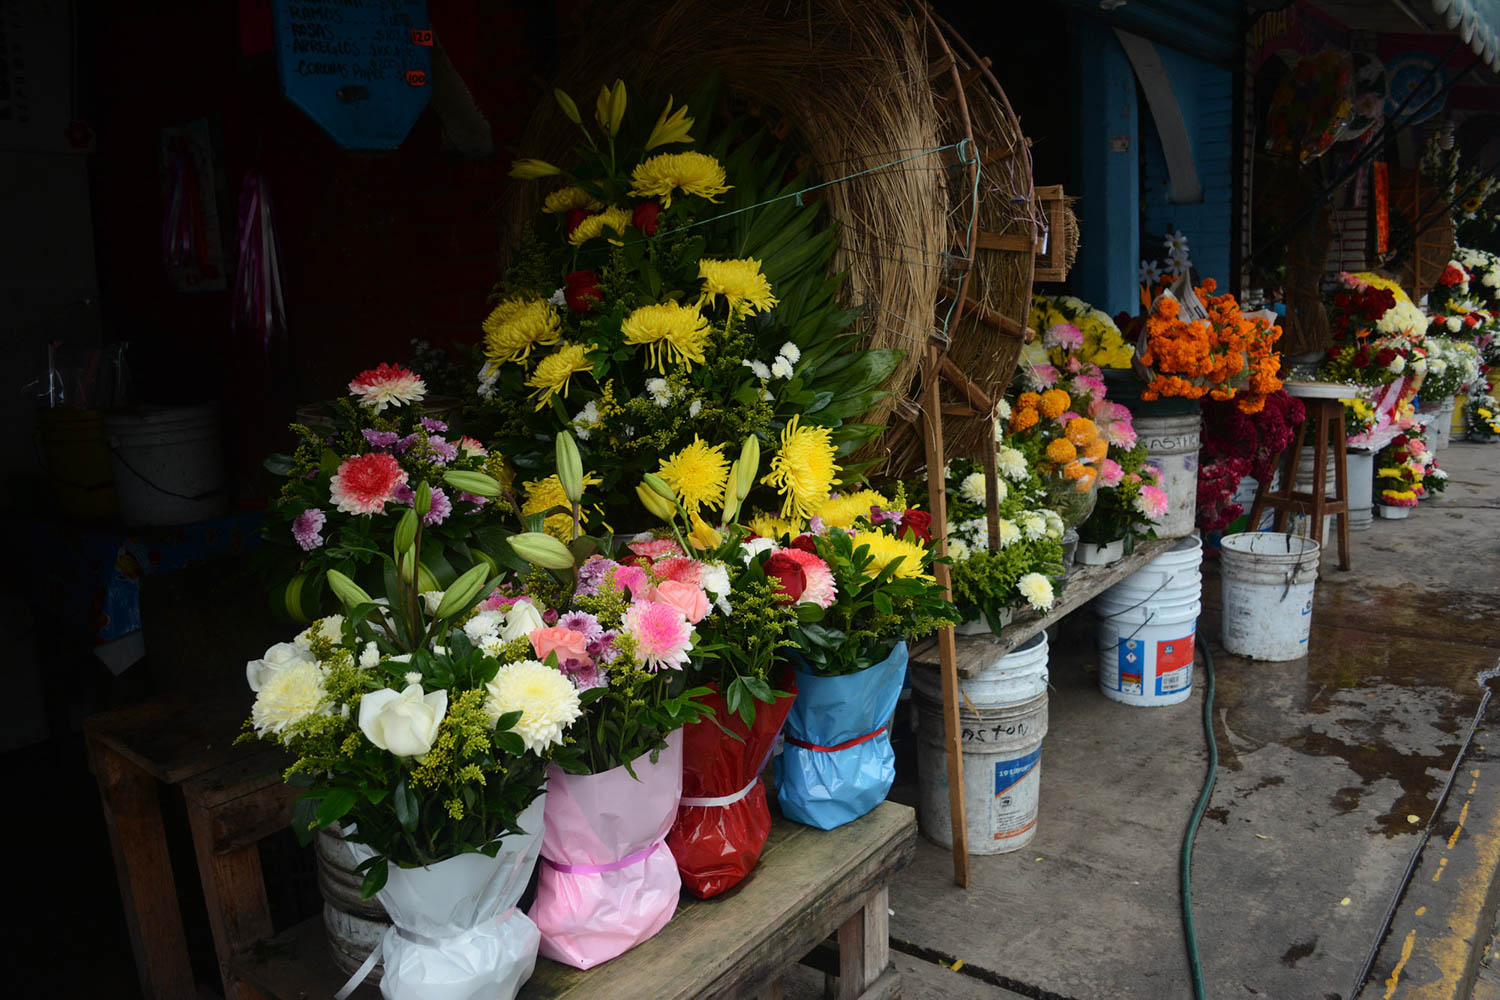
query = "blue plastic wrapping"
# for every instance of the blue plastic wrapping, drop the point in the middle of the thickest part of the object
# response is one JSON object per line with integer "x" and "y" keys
{"x": 827, "y": 788}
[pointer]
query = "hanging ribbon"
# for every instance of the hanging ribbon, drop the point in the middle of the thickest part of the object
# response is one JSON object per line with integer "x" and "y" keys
{"x": 183, "y": 243}
{"x": 259, "y": 304}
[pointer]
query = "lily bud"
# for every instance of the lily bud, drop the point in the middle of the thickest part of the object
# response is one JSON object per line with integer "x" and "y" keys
{"x": 541, "y": 549}
{"x": 569, "y": 467}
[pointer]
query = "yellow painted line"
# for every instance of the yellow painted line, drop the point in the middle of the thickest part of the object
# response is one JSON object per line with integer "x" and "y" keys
{"x": 1463, "y": 814}
{"x": 1395, "y": 977}
{"x": 1442, "y": 866}
{"x": 1421, "y": 910}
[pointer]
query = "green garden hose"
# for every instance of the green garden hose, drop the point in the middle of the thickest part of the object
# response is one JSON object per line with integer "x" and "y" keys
{"x": 1189, "y": 935}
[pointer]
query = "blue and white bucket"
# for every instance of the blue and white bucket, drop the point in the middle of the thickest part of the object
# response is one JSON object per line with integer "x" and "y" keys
{"x": 1148, "y": 626}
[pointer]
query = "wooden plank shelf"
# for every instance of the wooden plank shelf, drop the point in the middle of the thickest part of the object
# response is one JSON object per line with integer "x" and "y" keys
{"x": 810, "y": 884}
{"x": 976, "y": 652}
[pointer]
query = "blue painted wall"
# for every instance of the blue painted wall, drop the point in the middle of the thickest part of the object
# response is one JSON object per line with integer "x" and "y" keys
{"x": 1206, "y": 95}
{"x": 1106, "y": 146}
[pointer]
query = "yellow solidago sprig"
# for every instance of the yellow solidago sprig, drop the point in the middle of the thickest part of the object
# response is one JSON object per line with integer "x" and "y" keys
{"x": 744, "y": 287}
{"x": 886, "y": 548}
{"x": 698, "y": 474}
{"x": 568, "y": 198}
{"x": 673, "y": 333}
{"x": 671, "y": 127}
{"x": 691, "y": 173}
{"x": 556, "y": 370}
{"x": 517, "y": 325}
{"x": 803, "y": 470}
{"x": 592, "y": 227}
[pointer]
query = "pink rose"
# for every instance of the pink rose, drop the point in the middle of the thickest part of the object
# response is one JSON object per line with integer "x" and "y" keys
{"x": 566, "y": 643}
{"x": 685, "y": 597}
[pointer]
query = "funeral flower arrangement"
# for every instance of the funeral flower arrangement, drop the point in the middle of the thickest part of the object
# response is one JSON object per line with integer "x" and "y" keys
{"x": 1465, "y": 306}
{"x": 349, "y": 485}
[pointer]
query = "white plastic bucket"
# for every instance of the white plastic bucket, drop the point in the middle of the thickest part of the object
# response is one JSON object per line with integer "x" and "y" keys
{"x": 1172, "y": 577}
{"x": 1361, "y": 470}
{"x": 168, "y": 464}
{"x": 1146, "y": 649}
{"x": 1172, "y": 446}
{"x": 1001, "y": 740}
{"x": 1268, "y": 594}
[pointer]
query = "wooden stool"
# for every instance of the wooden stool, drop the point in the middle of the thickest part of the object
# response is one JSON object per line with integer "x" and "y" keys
{"x": 1326, "y": 418}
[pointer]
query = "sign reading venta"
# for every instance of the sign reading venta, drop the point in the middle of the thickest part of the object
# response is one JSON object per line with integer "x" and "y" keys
{"x": 359, "y": 68}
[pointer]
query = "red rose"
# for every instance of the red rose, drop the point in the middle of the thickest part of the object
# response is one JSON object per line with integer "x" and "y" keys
{"x": 1452, "y": 276}
{"x": 1385, "y": 357}
{"x": 783, "y": 567}
{"x": 1399, "y": 440}
{"x": 1362, "y": 359}
{"x": 919, "y": 523}
{"x": 1333, "y": 352}
{"x": 805, "y": 543}
{"x": 581, "y": 289}
{"x": 573, "y": 218}
{"x": 644, "y": 217}
{"x": 1471, "y": 320}
{"x": 1341, "y": 300}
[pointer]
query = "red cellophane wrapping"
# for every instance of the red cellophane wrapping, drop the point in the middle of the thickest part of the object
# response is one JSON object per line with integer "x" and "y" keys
{"x": 716, "y": 846}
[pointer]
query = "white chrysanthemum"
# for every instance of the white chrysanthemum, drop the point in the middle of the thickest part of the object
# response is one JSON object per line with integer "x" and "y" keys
{"x": 781, "y": 368}
{"x": 1492, "y": 277}
{"x": 546, "y": 699}
{"x": 791, "y": 352}
{"x": 1403, "y": 317}
{"x": 1011, "y": 462}
{"x": 1419, "y": 365}
{"x": 972, "y": 488}
{"x": 958, "y": 549}
{"x": 1397, "y": 365}
{"x": 288, "y": 696}
{"x": 714, "y": 578}
{"x": 695, "y": 407}
{"x": 1453, "y": 323}
{"x": 558, "y": 298}
{"x": 1009, "y": 533}
{"x": 1037, "y": 590}
{"x": 484, "y": 625}
{"x": 660, "y": 392}
{"x": 330, "y": 628}
{"x": 1054, "y": 522}
{"x": 369, "y": 656}
{"x": 489, "y": 375}
{"x": 1032, "y": 525}
{"x": 1002, "y": 414}
{"x": 586, "y": 419}
{"x": 758, "y": 368}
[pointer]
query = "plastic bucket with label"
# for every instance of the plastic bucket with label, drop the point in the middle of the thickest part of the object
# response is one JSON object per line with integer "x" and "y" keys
{"x": 1146, "y": 648}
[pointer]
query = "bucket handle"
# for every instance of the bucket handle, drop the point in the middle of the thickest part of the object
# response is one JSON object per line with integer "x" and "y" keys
{"x": 1296, "y": 569}
{"x": 160, "y": 489}
{"x": 1149, "y": 616}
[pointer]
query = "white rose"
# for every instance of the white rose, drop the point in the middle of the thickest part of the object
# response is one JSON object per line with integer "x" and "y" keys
{"x": 483, "y": 625}
{"x": 520, "y": 621}
{"x": 278, "y": 657}
{"x": 404, "y": 723}
{"x": 756, "y": 546}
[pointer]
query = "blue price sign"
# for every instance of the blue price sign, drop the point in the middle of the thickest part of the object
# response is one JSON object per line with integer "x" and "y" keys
{"x": 359, "y": 68}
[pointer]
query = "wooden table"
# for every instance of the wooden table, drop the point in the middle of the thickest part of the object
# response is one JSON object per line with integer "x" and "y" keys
{"x": 810, "y": 884}
{"x": 976, "y": 652}
{"x": 235, "y": 797}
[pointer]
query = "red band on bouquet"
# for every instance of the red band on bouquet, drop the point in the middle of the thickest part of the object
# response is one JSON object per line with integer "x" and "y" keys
{"x": 724, "y": 819}
{"x": 838, "y": 746}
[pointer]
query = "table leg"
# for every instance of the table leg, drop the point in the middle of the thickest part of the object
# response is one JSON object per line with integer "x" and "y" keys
{"x": 1320, "y": 421}
{"x": 1341, "y": 455}
{"x": 772, "y": 991}
{"x": 864, "y": 945}
{"x": 235, "y": 891}
{"x": 132, "y": 811}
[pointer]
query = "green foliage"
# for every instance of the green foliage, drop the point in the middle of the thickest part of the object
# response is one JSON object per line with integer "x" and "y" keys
{"x": 1116, "y": 515}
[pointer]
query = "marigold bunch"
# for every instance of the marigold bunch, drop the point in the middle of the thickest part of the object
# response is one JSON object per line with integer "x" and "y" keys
{"x": 1224, "y": 356}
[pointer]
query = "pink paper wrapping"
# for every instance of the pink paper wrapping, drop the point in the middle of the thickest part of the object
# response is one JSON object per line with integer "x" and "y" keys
{"x": 598, "y": 821}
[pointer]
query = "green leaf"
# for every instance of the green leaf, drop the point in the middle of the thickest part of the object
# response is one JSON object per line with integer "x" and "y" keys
{"x": 335, "y": 805}
{"x": 408, "y": 810}
{"x": 278, "y": 465}
{"x": 375, "y": 878}
{"x": 304, "y": 818}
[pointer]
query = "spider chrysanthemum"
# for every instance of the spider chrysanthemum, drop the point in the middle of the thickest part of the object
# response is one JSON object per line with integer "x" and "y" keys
{"x": 697, "y": 474}
{"x": 517, "y": 325}
{"x": 803, "y": 470}
{"x": 740, "y": 282}
{"x": 691, "y": 173}
{"x": 555, "y": 371}
{"x": 673, "y": 333}
{"x": 567, "y": 198}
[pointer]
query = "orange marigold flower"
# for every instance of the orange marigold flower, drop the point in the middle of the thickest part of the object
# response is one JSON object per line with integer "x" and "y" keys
{"x": 1096, "y": 449}
{"x": 1061, "y": 451}
{"x": 1029, "y": 401}
{"x": 1055, "y": 403}
{"x": 1082, "y": 430}
{"x": 1075, "y": 470}
{"x": 1086, "y": 479}
{"x": 1022, "y": 420}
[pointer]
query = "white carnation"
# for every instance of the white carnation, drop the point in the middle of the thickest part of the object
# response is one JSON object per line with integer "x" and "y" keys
{"x": 714, "y": 578}
{"x": 586, "y": 419}
{"x": 791, "y": 352}
{"x": 781, "y": 368}
{"x": 1037, "y": 590}
{"x": 1011, "y": 462}
{"x": 660, "y": 392}
{"x": 488, "y": 376}
{"x": 1397, "y": 365}
{"x": 758, "y": 368}
{"x": 289, "y": 696}
{"x": 483, "y": 625}
{"x": 369, "y": 656}
{"x": 330, "y": 628}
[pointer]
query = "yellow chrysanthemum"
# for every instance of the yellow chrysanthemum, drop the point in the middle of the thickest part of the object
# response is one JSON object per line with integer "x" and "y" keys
{"x": 568, "y": 198}
{"x": 674, "y": 333}
{"x": 691, "y": 173}
{"x": 803, "y": 470}
{"x": 741, "y": 283}
{"x": 517, "y": 325}
{"x": 886, "y": 549}
{"x": 840, "y": 512}
{"x": 697, "y": 474}
{"x": 591, "y": 228}
{"x": 775, "y": 527}
{"x": 555, "y": 370}
{"x": 541, "y": 495}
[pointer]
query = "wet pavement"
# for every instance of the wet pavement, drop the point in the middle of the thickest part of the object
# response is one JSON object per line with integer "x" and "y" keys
{"x": 1331, "y": 767}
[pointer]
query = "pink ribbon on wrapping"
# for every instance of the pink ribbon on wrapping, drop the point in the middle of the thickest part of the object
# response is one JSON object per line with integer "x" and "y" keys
{"x": 613, "y": 866}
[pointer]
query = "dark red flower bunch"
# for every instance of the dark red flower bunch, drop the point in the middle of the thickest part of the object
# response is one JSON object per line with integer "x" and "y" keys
{"x": 1257, "y": 439}
{"x": 1355, "y": 310}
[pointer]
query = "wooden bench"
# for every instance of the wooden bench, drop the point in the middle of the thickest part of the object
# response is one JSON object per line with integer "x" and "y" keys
{"x": 810, "y": 884}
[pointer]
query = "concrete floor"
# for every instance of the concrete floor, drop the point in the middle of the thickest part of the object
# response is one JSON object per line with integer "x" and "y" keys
{"x": 1330, "y": 769}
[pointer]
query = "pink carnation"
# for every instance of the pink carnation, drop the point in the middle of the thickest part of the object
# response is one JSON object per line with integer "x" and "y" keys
{"x": 821, "y": 588}
{"x": 1093, "y": 386}
{"x": 364, "y": 484}
{"x": 1064, "y": 335}
{"x": 656, "y": 548}
{"x": 1110, "y": 473}
{"x": 661, "y": 632}
{"x": 1152, "y": 502}
{"x": 633, "y": 579}
{"x": 1120, "y": 434}
{"x": 387, "y": 385}
{"x": 472, "y": 448}
{"x": 308, "y": 527}
{"x": 679, "y": 568}
{"x": 1044, "y": 375}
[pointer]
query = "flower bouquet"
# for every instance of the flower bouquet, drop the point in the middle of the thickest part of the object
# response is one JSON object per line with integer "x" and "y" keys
{"x": 1074, "y": 329}
{"x": 1023, "y": 563}
{"x": 431, "y": 751}
{"x": 1482, "y": 418}
{"x": 1071, "y": 450}
{"x": 1236, "y": 445}
{"x": 349, "y": 485}
{"x": 1198, "y": 344}
{"x": 1131, "y": 504}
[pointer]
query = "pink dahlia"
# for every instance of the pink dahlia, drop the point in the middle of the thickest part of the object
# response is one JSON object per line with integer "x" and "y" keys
{"x": 387, "y": 385}
{"x": 656, "y": 548}
{"x": 307, "y": 529}
{"x": 679, "y": 568}
{"x": 1110, "y": 474}
{"x": 1152, "y": 502}
{"x": 364, "y": 484}
{"x": 821, "y": 588}
{"x": 661, "y": 632}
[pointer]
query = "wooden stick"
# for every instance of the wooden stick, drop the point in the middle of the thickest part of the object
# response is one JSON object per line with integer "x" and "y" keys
{"x": 992, "y": 494}
{"x": 990, "y": 318}
{"x": 975, "y": 395}
{"x": 947, "y": 651}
